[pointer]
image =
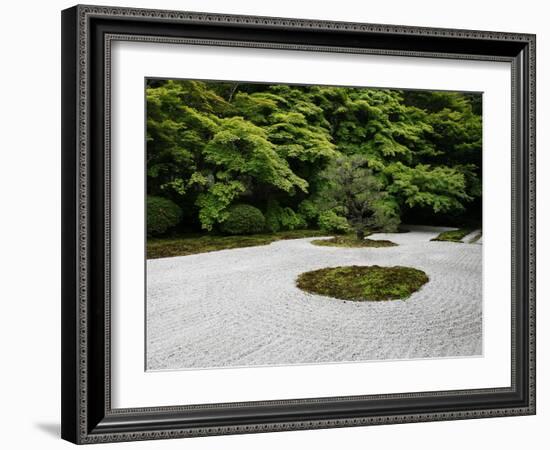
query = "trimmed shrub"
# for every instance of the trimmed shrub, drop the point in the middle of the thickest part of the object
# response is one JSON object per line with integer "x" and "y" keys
{"x": 243, "y": 219}
{"x": 309, "y": 211}
{"x": 162, "y": 215}
{"x": 278, "y": 218}
{"x": 273, "y": 216}
{"x": 386, "y": 216}
{"x": 291, "y": 220}
{"x": 331, "y": 222}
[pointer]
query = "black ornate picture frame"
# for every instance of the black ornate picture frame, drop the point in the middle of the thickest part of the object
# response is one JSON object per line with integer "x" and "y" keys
{"x": 87, "y": 34}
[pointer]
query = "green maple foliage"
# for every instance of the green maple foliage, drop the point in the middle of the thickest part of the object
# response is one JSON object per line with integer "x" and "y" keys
{"x": 211, "y": 145}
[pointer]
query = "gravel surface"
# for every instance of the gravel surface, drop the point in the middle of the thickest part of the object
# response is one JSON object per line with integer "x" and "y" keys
{"x": 241, "y": 307}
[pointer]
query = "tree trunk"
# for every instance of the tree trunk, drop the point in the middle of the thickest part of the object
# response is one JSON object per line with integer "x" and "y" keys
{"x": 232, "y": 92}
{"x": 360, "y": 235}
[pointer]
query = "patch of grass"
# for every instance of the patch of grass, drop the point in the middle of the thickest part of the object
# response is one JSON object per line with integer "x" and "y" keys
{"x": 192, "y": 244}
{"x": 351, "y": 241}
{"x": 363, "y": 283}
{"x": 453, "y": 235}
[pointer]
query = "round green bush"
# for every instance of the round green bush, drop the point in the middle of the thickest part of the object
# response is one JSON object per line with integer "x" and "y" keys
{"x": 309, "y": 211}
{"x": 243, "y": 219}
{"x": 272, "y": 216}
{"x": 331, "y": 222}
{"x": 278, "y": 218}
{"x": 162, "y": 214}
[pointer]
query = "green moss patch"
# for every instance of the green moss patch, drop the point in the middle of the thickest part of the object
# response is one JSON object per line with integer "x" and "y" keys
{"x": 192, "y": 244}
{"x": 352, "y": 241}
{"x": 363, "y": 283}
{"x": 453, "y": 235}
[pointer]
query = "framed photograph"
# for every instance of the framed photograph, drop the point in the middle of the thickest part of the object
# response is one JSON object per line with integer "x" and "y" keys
{"x": 279, "y": 224}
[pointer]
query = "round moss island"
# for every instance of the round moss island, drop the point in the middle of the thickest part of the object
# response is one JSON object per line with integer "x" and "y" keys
{"x": 352, "y": 242}
{"x": 363, "y": 283}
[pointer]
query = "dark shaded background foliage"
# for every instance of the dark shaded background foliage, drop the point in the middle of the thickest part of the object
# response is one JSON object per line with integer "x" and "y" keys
{"x": 212, "y": 145}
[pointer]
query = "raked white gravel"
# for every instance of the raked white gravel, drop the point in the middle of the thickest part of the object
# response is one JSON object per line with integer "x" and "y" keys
{"x": 241, "y": 307}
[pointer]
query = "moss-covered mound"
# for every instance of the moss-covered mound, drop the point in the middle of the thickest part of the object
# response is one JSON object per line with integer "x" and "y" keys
{"x": 363, "y": 283}
{"x": 352, "y": 241}
{"x": 452, "y": 235}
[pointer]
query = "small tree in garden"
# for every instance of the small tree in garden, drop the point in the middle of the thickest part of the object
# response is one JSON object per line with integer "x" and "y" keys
{"x": 352, "y": 191}
{"x": 162, "y": 215}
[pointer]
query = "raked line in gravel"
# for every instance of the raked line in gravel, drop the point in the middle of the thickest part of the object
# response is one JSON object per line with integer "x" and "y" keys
{"x": 241, "y": 307}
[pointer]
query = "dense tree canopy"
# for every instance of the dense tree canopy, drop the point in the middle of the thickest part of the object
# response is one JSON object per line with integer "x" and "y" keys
{"x": 211, "y": 145}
